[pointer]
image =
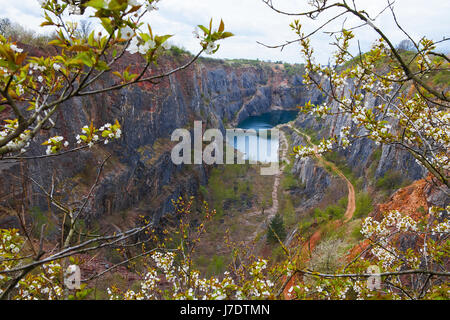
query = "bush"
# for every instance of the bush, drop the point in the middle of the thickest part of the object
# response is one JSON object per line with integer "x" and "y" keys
{"x": 332, "y": 211}
{"x": 327, "y": 256}
{"x": 289, "y": 212}
{"x": 16, "y": 32}
{"x": 391, "y": 180}
{"x": 290, "y": 182}
{"x": 177, "y": 51}
{"x": 216, "y": 266}
{"x": 277, "y": 225}
{"x": 363, "y": 205}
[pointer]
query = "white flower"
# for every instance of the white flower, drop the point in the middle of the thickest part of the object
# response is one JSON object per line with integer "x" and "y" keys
{"x": 126, "y": 33}
{"x": 40, "y": 79}
{"x": 15, "y": 48}
{"x": 210, "y": 48}
{"x": 132, "y": 48}
{"x": 147, "y": 46}
{"x": 196, "y": 33}
{"x": 71, "y": 269}
{"x": 133, "y": 3}
{"x": 66, "y": 144}
{"x": 74, "y": 9}
{"x": 57, "y": 67}
{"x": 151, "y": 7}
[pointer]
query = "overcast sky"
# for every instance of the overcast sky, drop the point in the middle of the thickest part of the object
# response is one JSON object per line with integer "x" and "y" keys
{"x": 252, "y": 20}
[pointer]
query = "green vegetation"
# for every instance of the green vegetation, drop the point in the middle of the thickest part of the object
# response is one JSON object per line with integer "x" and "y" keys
{"x": 216, "y": 266}
{"x": 289, "y": 215}
{"x": 243, "y": 62}
{"x": 391, "y": 180}
{"x": 356, "y": 233}
{"x": 177, "y": 51}
{"x": 341, "y": 163}
{"x": 276, "y": 230}
{"x": 334, "y": 211}
{"x": 294, "y": 69}
{"x": 16, "y": 32}
{"x": 363, "y": 203}
{"x": 232, "y": 189}
{"x": 313, "y": 134}
{"x": 290, "y": 182}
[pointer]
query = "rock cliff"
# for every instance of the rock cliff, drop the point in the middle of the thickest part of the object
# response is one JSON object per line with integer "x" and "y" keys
{"x": 140, "y": 176}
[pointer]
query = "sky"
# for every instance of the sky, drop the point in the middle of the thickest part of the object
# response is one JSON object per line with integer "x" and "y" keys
{"x": 252, "y": 21}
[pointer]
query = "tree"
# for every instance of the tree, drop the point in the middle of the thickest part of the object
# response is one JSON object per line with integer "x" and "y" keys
{"x": 412, "y": 115}
{"x": 406, "y": 45}
{"x": 85, "y": 28}
{"x": 34, "y": 88}
{"x": 276, "y": 231}
{"x": 413, "y": 110}
{"x": 5, "y": 23}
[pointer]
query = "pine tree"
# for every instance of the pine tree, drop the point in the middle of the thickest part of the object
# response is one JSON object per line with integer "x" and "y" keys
{"x": 276, "y": 227}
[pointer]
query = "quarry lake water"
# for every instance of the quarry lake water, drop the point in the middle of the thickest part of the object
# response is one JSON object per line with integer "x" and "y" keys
{"x": 257, "y": 146}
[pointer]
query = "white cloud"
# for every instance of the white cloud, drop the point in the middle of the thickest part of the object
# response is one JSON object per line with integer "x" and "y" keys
{"x": 252, "y": 20}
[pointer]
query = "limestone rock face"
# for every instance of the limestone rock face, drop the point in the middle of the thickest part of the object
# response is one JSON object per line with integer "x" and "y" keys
{"x": 359, "y": 156}
{"x": 140, "y": 175}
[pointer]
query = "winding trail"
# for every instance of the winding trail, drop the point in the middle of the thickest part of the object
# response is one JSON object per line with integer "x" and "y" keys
{"x": 351, "y": 206}
{"x": 308, "y": 246}
{"x": 272, "y": 211}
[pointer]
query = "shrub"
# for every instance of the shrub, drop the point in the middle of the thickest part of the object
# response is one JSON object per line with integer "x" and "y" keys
{"x": 391, "y": 180}
{"x": 276, "y": 230}
{"x": 326, "y": 257}
{"x": 216, "y": 266}
{"x": 363, "y": 205}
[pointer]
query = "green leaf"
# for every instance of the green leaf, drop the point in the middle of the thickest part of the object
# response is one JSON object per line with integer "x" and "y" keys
{"x": 106, "y": 23}
{"x": 226, "y": 35}
{"x": 162, "y": 39}
{"x": 85, "y": 58}
{"x": 102, "y": 65}
{"x": 105, "y": 133}
{"x": 150, "y": 31}
{"x": 98, "y": 4}
{"x": 204, "y": 29}
{"x": 91, "y": 40}
{"x": 222, "y": 26}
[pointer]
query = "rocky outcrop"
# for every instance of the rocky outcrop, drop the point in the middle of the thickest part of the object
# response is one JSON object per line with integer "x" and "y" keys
{"x": 140, "y": 174}
{"x": 362, "y": 153}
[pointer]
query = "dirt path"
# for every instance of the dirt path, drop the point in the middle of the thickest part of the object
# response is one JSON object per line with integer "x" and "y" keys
{"x": 308, "y": 246}
{"x": 272, "y": 211}
{"x": 351, "y": 206}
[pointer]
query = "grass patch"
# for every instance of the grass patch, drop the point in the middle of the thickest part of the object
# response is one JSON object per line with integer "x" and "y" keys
{"x": 391, "y": 180}
{"x": 332, "y": 212}
{"x": 363, "y": 203}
